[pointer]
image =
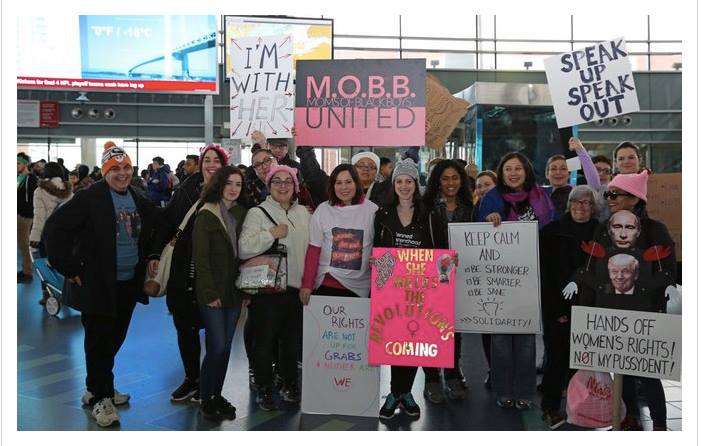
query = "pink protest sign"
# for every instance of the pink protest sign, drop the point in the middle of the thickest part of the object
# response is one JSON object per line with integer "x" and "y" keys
{"x": 412, "y": 307}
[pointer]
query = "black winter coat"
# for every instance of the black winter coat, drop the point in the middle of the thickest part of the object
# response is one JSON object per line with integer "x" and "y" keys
{"x": 25, "y": 196}
{"x": 80, "y": 238}
{"x": 462, "y": 214}
{"x": 314, "y": 177}
{"x": 180, "y": 294}
{"x": 425, "y": 227}
{"x": 560, "y": 256}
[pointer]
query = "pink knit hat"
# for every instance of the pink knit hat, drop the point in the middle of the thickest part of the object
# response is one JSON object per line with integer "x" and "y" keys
{"x": 282, "y": 168}
{"x": 221, "y": 152}
{"x": 633, "y": 183}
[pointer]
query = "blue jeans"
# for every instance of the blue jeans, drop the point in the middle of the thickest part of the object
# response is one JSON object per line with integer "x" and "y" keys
{"x": 219, "y": 327}
{"x": 513, "y": 366}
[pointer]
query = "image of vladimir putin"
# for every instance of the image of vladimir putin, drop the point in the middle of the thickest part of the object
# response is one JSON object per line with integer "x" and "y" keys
{"x": 623, "y": 272}
{"x": 624, "y": 229}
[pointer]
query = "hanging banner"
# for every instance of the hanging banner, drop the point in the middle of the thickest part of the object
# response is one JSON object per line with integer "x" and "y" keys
{"x": 412, "y": 299}
{"x": 634, "y": 343}
{"x": 498, "y": 281}
{"x": 591, "y": 83}
{"x": 261, "y": 87}
{"x": 336, "y": 378}
{"x": 378, "y": 102}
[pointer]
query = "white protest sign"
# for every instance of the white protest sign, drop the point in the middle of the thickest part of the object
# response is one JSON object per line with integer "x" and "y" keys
{"x": 591, "y": 83}
{"x": 261, "y": 87}
{"x": 634, "y": 343}
{"x": 573, "y": 164}
{"x": 497, "y": 287}
{"x": 336, "y": 378}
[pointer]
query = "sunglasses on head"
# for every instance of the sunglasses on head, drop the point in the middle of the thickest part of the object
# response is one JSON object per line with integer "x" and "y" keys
{"x": 612, "y": 195}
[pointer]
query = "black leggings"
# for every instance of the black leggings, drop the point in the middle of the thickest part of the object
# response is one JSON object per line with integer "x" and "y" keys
{"x": 654, "y": 394}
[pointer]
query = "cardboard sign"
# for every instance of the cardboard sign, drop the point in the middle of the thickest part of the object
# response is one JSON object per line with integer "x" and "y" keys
{"x": 498, "y": 281}
{"x": 591, "y": 83}
{"x": 412, "y": 298}
{"x": 336, "y": 378}
{"x": 261, "y": 87}
{"x": 634, "y": 343}
{"x": 361, "y": 102}
{"x": 443, "y": 112}
{"x": 664, "y": 203}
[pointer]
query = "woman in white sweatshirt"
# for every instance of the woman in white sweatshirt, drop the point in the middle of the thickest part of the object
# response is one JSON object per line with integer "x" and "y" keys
{"x": 277, "y": 316}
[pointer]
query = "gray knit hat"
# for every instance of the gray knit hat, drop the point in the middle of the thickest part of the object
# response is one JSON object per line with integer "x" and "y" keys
{"x": 406, "y": 167}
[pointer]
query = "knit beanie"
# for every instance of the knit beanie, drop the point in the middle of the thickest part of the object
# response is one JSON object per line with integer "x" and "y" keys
{"x": 282, "y": 168}
{"x": 633, "y": 183}
{"x": 112, "y": 157}
{"x": 109, "y": 144}
{"x": 406, "y": 167}
{"x": 223, "y": 154}
{"x": 358, "y": 156}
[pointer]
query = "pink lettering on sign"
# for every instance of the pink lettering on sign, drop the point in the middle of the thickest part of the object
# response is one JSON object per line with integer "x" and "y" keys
{"x": 412, "y": 307}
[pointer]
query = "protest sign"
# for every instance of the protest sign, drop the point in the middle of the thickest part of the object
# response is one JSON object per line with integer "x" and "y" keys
{"x": 412, "y": 302}
{"x": 261, "y": 87}
{"x": 634, "y": 343}
{"x": 361, "y": 102}
{"x": 591, "y": 83}
{"x": 336, "y": 378}
{"x": 443, "y": 112}
{"x": 498, "y": 281}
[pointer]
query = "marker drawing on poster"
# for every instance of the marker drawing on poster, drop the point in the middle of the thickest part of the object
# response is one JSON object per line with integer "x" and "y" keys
{"x": 412, "y": 307}
{"x": 261, "y": 87}
{"x": 592, "y": 83}
{"x": 498, "y": 281}
{"x": 336, "y": 378}
{"x": 626, "y": 342}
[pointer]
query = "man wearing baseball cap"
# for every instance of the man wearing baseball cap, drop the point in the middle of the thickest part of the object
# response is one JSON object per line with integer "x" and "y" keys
{"x": 98, "y": 240}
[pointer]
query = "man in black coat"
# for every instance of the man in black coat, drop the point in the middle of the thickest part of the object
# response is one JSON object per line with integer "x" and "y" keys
{"x": 26, "y": 184}
{"x": 99, "y": 240}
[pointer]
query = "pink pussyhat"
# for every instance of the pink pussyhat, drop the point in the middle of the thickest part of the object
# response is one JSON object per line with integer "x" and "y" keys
{"x": 633, "y": 183}
{"x": 282, "y": 168}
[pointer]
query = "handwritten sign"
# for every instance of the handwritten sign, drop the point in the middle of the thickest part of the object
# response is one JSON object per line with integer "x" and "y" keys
{"x": 412, "y": 307}
{"x": 634, "y": 343}
{"x": 591, "y": 83}
{"x": 498, "y": 285}
{"x": 664, "y": 198}
{"x": 336, "y": 378}
{"x": 361, "y": 102}
{"x": 261, "y": 87}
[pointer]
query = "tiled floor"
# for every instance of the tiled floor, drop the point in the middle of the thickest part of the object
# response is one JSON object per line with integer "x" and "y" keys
{"x": 51, "y": 377}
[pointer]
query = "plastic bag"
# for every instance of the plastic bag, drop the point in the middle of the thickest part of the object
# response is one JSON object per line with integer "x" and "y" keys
{"x": 590, "y": 400}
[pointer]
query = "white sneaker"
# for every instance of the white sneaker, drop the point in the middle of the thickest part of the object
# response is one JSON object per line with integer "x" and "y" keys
{"x": 105, "y": 413}
{"x": 118, "y": 400}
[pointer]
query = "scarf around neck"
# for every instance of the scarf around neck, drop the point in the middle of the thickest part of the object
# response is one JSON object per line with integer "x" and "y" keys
{"x": 535, "y": 198}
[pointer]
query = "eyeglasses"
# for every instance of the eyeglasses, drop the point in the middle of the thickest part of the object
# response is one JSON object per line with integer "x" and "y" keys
{"x": 612, "y": 195}
{"x": 585, "y": 203}
{"x": 278, "y": 182}
{"x": 605, "y": 170}
{"x": 365, "y": 167}
{"x": 265, "y": 162}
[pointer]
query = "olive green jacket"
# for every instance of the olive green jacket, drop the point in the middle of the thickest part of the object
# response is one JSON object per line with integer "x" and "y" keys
{"x": 216, "y": 269}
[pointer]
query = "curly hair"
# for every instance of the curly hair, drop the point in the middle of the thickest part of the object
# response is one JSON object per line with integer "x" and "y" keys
{"x": 433, "y": 189}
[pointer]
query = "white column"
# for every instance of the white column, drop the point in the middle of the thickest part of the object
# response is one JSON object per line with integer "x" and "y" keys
{"x": 87, "y": 152}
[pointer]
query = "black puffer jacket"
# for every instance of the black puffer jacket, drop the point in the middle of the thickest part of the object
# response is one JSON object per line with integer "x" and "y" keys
{"x": 314, "y": 177}
{"x": 25, "y": 196}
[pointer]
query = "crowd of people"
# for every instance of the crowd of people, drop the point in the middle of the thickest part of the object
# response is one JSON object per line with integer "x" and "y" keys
{"x": 105, "y": 232}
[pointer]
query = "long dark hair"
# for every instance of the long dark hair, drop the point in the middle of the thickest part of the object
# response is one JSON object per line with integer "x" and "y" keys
{"x": 527, "y": 166}
{"x": 214, "y": 190}
{"x": 333, "y": 199}
{"x": 433, "y": 189}
{"x": 392, "y": 199}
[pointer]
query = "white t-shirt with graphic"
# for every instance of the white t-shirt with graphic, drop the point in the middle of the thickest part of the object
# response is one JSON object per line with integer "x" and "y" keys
{"x": 345, "y": 235}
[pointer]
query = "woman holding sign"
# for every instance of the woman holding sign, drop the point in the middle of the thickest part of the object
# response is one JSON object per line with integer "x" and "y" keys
{"x": 449, "y": 199}
{"x": 641, "y": 263}
{"x": 405, "y": 223}
{"x": 215, "y": 253}
{"x": 276, "y": 319}
{"x": 517, "y": 197}
{"x": 560, "y": 256}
